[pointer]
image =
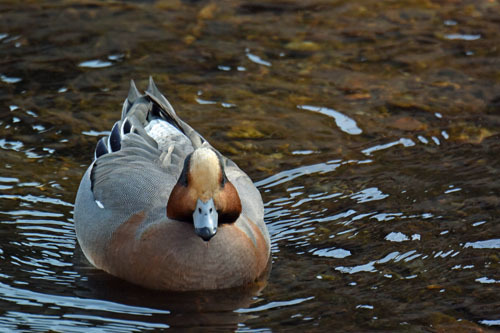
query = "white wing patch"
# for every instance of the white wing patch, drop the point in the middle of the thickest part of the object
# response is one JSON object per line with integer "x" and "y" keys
{"x": 163, "y": 133}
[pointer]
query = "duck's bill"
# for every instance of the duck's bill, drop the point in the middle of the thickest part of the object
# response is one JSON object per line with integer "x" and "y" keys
{"x": 205, "y": 219}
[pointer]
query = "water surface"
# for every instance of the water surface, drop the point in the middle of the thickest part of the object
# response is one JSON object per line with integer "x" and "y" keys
{"x": 371, "y": 129}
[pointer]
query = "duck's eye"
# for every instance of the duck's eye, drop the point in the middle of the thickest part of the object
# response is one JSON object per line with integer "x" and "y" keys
{"x": 211, "y": 210}
{"x": 199, "y": 210}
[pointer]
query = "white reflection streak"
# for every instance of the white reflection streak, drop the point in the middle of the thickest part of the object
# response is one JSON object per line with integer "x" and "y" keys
{"x": 346, "y": 124}
{"x": 369, "y": 194}
{"x": 256, "y": 59}
{"x": 403, "y": 141}
{"x": 486, "y": 244}
{"x": 490, "y": 322}
{"x": 35, "y": 199}
{"x": 288, "y": 175}
{"x": 370, "y": 267}
{"x": 96, "y": 63}
{"x": 272, "y": 305}
{"x": 467, "y": 37}
{"x": 91, "y": 318}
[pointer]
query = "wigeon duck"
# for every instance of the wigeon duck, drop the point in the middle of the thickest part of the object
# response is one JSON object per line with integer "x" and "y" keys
{"x": 160, "y": 207}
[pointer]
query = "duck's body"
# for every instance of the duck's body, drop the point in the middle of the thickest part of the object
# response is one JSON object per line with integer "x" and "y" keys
{"x": 140, "y": 208}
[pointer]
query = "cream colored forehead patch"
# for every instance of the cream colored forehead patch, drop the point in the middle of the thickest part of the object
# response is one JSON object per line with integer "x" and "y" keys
{"x": 205, "y": 169}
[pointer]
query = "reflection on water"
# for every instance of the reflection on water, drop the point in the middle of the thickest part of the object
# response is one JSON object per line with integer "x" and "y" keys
{"x": 345, "y": 123}
{"x": 8, "y": 79}
{"x": 371, "y": 129}
{"x": 463, "y": 36}
{"x": 95, "y": 64}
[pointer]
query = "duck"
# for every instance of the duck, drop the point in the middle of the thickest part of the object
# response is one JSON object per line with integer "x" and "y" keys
{"x": 162, "y": 208}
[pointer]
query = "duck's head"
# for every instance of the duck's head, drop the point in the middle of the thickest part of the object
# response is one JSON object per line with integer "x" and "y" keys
{"x": 203, "y": 195}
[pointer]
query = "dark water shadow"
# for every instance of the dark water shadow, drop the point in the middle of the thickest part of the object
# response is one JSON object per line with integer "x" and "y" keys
{"x": 213, "y": 308}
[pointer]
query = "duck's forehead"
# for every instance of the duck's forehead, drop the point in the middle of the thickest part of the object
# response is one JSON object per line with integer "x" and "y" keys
{"x": 204, "y": 157}
{"x": 205, "y": 165}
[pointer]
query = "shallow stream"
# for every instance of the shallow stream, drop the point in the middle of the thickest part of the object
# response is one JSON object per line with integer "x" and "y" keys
{"x": 371, "y": 129}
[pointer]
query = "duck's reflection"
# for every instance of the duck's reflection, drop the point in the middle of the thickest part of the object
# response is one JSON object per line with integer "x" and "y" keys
{"x": 193, "y": 309}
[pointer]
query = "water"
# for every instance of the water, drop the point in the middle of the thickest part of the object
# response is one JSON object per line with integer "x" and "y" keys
{"x": 371, "y": 129}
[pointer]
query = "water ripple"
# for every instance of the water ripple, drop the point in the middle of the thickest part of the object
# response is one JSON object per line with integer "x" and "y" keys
{"x": 21, "y": 295}
{"x": 467, "y": 37}
{"x": 256, "y": 59}
{"x": 346, "y": 124}
{"x": 275, "y": 304}
{"x": 486, "y": 244}
{"x": 10, "y": 79}
{"x": 96, "y": 63}
{"x": 289, "y": 175}
{"x": 403, "y": 141}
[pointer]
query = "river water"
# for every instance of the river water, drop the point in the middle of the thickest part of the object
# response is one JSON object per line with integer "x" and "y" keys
{"x": 371, "y": 129}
